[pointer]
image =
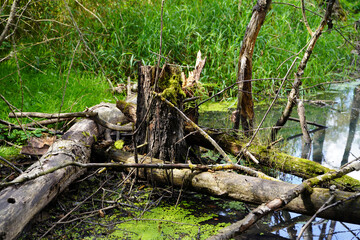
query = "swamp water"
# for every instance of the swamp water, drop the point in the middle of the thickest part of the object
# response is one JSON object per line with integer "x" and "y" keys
{"x": 333, "y": 147}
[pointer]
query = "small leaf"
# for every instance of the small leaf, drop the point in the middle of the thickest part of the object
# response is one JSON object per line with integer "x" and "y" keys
{"x": 119, "y": 144}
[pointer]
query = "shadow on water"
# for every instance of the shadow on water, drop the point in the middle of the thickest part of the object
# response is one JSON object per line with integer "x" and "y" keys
{"x": 332, "y": 147}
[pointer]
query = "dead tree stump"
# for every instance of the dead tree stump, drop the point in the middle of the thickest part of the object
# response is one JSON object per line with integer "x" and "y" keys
{"x": 161, "y": 128}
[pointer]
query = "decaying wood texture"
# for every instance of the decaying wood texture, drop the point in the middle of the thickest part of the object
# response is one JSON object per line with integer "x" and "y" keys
{"x": 249, "y": 189}
{"x": 19, "y": 204}
{"x": 297, "y": 82}
{"x": 245, "y": 107}
{"x": 160, "y": 127}
{"x": 272, "y": 158}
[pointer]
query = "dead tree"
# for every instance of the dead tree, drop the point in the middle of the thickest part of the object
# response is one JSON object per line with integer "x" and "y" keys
{"x": 20, "y": 203}
{"x": 160, "y": 129}
{"x": 245, "y": 107}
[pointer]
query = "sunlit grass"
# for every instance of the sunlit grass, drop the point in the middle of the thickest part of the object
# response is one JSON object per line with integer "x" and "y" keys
{"x": 43, "y": 92}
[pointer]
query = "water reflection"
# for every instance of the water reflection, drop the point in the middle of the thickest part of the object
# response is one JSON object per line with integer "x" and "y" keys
{"x": 354, "y": 117}
{"x": 331, "y": 147}
{"x": 340, "y": 142}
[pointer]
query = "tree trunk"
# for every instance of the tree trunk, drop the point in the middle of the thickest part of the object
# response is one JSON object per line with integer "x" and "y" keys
{"x": 20, "y": 203}
{"x": 245, "y": 105}
{"x": 160, "y": 127}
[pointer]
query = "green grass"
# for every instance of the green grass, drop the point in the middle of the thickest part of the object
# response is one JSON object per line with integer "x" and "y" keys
{"x": 131, "y": 32}
{"x": 43, "y": 92}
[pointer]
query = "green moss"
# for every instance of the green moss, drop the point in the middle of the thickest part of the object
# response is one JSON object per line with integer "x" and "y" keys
{"x": 9, "y": 152}
{"x": 217, "y": 106}
{"x": 286, "y": 163}
{"x": 171, "y": 88}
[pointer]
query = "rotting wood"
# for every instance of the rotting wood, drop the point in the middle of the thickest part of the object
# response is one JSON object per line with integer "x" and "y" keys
{"x": 19, "y": 204}
{"x": 158, "y": 125}
{"x": 269, "y": 157}
{"x": 246, "y": 188}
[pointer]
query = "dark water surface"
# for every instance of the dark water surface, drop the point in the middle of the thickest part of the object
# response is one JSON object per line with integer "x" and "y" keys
{"x": 333, "y": 147}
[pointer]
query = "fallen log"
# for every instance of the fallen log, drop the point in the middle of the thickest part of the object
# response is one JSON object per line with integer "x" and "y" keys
{"x": 248, "y": 189}
{"x": 273, "y": 158}
{"x": 20, "y": 203}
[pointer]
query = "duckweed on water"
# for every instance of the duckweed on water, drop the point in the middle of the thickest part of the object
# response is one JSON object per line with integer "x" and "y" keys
{"x": 166, "y": 222}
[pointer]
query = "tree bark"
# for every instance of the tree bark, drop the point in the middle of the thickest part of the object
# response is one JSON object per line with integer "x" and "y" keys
{"x": 159, "y": 126}
{"x": 20, "y": 203}
{"x": 245, "y": 107}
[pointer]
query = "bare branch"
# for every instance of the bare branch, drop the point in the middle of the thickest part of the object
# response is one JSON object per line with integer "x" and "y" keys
{"x": 10, "y": 20}
{"x": 304, "y": 18}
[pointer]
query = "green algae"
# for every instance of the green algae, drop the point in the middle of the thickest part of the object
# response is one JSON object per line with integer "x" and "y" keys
{"x": 165, "y": 222}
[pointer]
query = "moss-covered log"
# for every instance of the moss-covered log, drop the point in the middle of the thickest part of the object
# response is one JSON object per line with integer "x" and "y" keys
{"x": 274, "y": 159}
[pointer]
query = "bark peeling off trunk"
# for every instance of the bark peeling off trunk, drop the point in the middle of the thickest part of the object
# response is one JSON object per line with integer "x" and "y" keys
{"x": 245, "y": 106}
{"x": 163, "y": 126}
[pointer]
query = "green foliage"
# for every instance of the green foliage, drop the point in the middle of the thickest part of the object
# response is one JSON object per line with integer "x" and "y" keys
{"x": 119, "y": 144}
{"x": 165, "y": 222}
{"x": 44, "y": 92}
{"x": 125, "y": 32}
{"x": 19, "y": 137}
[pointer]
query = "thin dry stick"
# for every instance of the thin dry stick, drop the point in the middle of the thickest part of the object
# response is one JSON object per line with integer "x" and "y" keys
{"x": 9, "y": 22}
{"x": 269, "y": 108}
{"x": 295, "y": 88}
{"x": 160, "y": 48}
{"x": 321, "y": 209}
{"x": 52, "y": 115}
{"x": 67, "y": 80}
{"x": 355, "y": 235}
{"x": 19, "y": 17}
{"x": 72, "y": 210}
{"x": 305, "y": 19}
{"x": 12, "y": 166}
{"x": 3, "y": 6}
{"x": 193, "y": 167}
{"x": 214, "y": 143}
{"x": 21, "y": 84}
{"x": 292, "y": 5}
{"x": 91, "y": 14}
